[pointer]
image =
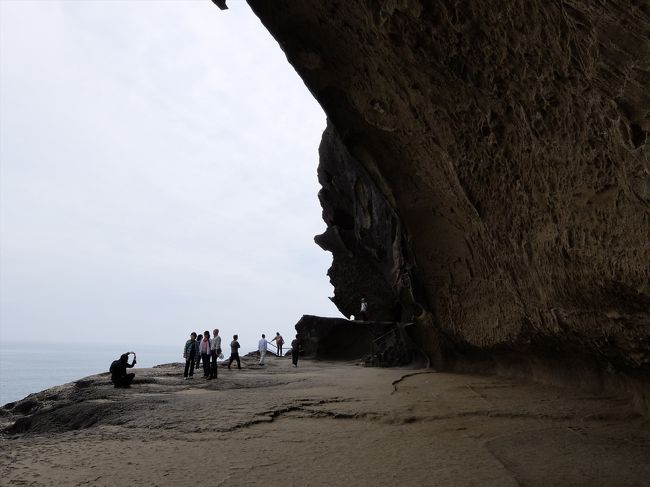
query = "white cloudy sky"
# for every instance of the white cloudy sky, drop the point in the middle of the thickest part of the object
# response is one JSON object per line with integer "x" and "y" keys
{"x": 158, "y": 174}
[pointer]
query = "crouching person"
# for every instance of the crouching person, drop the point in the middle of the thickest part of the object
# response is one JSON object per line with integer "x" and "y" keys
{"x": 119, "y": 377}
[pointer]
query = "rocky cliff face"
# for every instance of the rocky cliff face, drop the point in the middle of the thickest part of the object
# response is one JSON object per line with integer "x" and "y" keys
{"x": 485, "y": 168}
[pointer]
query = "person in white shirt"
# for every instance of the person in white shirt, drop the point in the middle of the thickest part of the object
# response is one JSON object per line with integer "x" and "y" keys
{"x": 261, "y": 346}
{"x": 363, "y": 309}
{"x": 215, "y": 351}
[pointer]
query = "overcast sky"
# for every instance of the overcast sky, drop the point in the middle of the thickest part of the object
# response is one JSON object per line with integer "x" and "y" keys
{"x": 158, "y": 174}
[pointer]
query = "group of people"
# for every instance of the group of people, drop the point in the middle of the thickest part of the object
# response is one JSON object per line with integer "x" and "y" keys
{"x": 204, "y": 349}
{"x": 207, "y": 349}
{"x": 263, "y": 344}
{"x": 279, "y": 342}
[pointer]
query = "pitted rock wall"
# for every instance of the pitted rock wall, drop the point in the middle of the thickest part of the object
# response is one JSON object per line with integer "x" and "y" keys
{"x": 507, "y": 141}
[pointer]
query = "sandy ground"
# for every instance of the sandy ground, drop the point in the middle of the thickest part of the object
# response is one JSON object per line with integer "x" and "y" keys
{"x": 328, "y": 424}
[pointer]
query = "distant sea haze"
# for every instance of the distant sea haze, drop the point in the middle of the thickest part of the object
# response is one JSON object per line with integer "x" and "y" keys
{"x": 58, "y": 363}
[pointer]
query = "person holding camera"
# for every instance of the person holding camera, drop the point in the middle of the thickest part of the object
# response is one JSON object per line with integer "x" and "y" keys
{"x": 119, "y": 377}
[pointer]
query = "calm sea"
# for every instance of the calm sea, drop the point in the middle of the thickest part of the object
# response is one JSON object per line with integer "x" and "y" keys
{"x": 31, "y": 367}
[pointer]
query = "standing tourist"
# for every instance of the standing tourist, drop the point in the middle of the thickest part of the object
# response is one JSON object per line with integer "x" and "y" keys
{"x": 215, "y": 351}
{"x": 234, "y": 352}
{"x": 261, "y": 346}
{"x": 205, "y": 354}
{"x": 197, "y": 352}
{"x": 189, "y": 354}
{"x": 279, "y": 341}
{"x": 363, "y": 309}
{"x": 295, "y": 349}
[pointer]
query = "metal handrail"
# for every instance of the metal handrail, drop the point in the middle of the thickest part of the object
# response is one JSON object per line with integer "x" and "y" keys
{"x": 391, "y": 332}
{"x": 268, "y": 344}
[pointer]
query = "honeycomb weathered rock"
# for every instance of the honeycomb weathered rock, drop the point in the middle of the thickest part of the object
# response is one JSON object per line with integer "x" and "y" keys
{"x": 485, "y": 168}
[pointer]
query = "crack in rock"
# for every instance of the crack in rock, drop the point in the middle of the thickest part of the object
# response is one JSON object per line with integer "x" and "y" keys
{"x": 406, "y": 376}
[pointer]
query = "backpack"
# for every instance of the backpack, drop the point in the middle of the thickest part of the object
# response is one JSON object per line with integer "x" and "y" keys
{"x": 115, "y": 365}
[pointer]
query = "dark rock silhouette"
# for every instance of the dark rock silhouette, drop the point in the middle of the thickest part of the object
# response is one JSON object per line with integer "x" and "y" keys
{"x": 485, "y": 173}
{"x": 377, "y": 343}
{"x": 221, "y": 4}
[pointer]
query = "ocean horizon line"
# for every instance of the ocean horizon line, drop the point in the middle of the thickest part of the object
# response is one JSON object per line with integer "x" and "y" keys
{"x": 21, "y": 376}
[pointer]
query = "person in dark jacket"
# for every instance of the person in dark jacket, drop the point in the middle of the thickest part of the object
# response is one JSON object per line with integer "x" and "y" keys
{"x": 189, "y": 354}
{"x": 234, "y": 352}
{"x": 295, "y": 350}
{"x": 119, "y": 377}
{"x": 197, "y": 352}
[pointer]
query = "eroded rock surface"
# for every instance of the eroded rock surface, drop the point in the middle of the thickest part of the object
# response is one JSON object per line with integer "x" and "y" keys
{"x": 485, "y": 169}
{"x": 327, "y": 423}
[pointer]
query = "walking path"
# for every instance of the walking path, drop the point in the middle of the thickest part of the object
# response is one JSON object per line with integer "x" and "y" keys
{"x": 328, "y": 424}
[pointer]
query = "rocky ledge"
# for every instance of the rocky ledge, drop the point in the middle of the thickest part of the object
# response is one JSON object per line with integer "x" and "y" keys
{"x": 93, "y": 402}
{"x": 323, "y": 423}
